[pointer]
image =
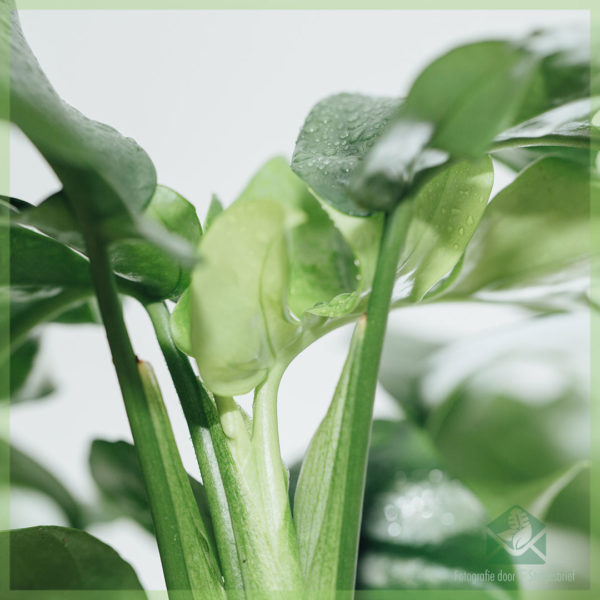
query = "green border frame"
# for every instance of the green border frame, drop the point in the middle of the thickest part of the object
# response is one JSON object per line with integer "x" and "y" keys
{"x": 590, "y": 5}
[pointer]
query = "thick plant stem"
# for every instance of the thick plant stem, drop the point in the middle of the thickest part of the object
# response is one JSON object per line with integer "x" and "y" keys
{"x": 202, "y": 419}
{"x": 271, "y": 477}
{"x": 261, "y": 557}
{"x": 166, "y": 521}
{"x": 365, "y": 369}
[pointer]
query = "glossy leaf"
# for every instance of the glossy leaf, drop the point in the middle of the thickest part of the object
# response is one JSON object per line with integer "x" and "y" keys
{"x": 547, "y": 206}
{"x": 25, "y": 472}
{"x": 461, "y": 101}
{"x": 445, "y": 214}
{"x": 150, "y": 267}
{"x": 108, "y": 173}
{"x": 336, "y": 136}
{"x": 108, "y": 179}
{"x": 518, "y": 159}
{"x": 58, "y": 558}
{"x": 570, "y": 123}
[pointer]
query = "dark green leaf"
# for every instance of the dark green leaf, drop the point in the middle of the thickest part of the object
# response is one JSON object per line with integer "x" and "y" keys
{"x": 154, "y": 270}
{"x": 26, "y": 381}
{"x": 99, "y": 168}
{"x": 58, "y": 558}
{"x": 47, "y": 279}
{"x": 336, "y": 136}
{"x": 28, "y": 473}
{"x": 41, "y": 262}
{"x": 108, "y": 179}
{"x": 116, "y": 470}
{"x": 461, "y": 101}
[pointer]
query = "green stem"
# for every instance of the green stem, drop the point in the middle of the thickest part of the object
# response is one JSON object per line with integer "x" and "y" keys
{"x": 364, "y": 374}
{"x": 203, "y": 424}
{"x": 166, "y": 521}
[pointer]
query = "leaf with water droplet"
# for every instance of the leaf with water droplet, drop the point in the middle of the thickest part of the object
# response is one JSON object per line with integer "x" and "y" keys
{"x": 337, "y": 134}
{"x": 461, "y": 101}
{"x": 439, "y": 229}
{"x": 534, "y": 237}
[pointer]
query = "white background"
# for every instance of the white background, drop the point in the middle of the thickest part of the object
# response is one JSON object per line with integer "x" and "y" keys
{"x": 210, "y": 95}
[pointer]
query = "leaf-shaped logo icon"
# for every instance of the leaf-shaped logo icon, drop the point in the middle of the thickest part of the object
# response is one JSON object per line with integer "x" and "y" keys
{"x": 520, "y": 527}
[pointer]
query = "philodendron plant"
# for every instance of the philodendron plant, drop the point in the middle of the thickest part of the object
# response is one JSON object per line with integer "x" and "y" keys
{"x": 386, "y": 204}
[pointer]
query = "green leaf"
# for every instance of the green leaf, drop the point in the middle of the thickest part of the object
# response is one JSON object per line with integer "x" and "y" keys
{"x": 152, "y": 268}
{"x": 181, "y": 532}
{"x": 39, "y": 261}
{"x": 565, "y": 125}
{"x": 47, "y": 279}
{"x": 116, "y": 470}
{"x": 238, "y": 323}
{"x": 518, "y": 159}
{"x": 321, "y": 488}
{"x": 180, "y": 323}
{"x": 532, "y": 240}
{"x": 214, "y": 210}
{"x": 445, "y": 214}
{"x": 156, "y": 271}
{"x": 422, "y": 528}
{"x": 517, "y": 399}
{"x": 108, "y": 173}
{"x": 461, "y": 101}
{"x": 27, "y": 382}
{"x": 279, "y": 246}
{"x": 336, "y": 136}
{"x": 58, "y": 558}
{"x": 108, "y": 179}
{"x": 28, "y": 473}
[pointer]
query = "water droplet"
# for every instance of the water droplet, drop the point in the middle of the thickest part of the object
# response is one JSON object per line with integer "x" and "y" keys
{"x": 390, "y": 512}
{"x": 470, "y": 220}
{"x": 455, "y": 246}
{"x": 394, "y": 530}
{"x": 436, "y": 476}
{"x": 461, "y": 231}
